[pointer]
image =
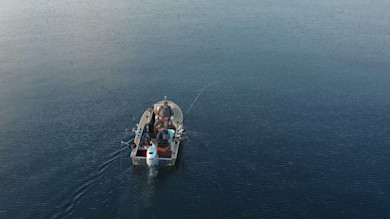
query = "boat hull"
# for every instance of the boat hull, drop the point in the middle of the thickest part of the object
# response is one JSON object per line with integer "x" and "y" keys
{"x": 139, "y": 152}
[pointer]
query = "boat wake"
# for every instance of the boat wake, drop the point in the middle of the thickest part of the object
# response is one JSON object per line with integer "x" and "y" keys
{"x": 153, "y": 172}
{"x": 85, "y": 185}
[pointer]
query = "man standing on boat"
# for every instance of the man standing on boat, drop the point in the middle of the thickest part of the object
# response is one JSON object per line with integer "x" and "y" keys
{"x": 164, "y": 114}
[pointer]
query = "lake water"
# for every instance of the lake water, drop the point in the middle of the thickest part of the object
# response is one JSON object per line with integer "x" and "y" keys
{"x": 295, "y": 122}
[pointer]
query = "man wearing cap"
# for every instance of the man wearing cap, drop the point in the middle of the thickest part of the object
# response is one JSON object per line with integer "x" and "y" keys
{"x": 162, "y": 139}
{"x": 164, "y": 114}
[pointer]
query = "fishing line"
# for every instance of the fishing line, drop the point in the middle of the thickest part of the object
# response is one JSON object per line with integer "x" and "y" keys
{"x": 196, "y": 98}
{"x": 118, "y": 101}
{"x": 123, "y": 106}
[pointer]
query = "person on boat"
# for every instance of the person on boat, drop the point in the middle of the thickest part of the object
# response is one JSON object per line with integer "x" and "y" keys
{"x": 164, "y": 115}
{"x": 145, "y": 139}
{"x": 162, "y": 139}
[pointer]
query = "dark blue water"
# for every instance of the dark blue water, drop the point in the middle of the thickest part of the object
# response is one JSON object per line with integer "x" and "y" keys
{"x": 294, "y": 125}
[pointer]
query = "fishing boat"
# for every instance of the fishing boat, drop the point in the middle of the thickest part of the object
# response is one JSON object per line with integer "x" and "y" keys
{"x": 143, "y": 149}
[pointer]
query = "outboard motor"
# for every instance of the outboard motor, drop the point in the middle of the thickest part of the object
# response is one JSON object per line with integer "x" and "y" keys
{"x": 152, "y": 156}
